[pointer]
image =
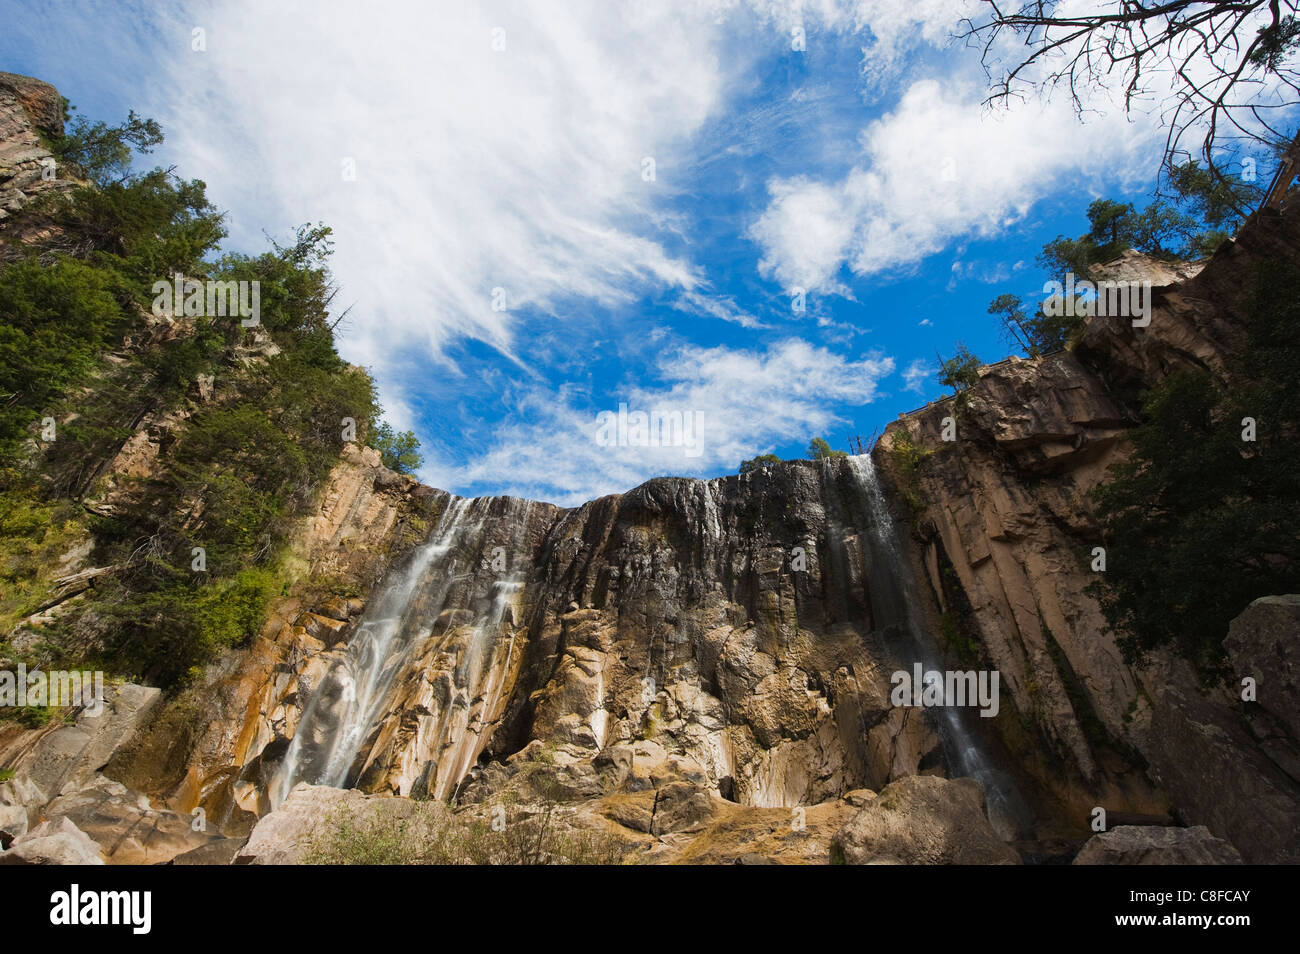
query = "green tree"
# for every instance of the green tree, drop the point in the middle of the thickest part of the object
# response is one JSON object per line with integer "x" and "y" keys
{"x": 102, "y": 152}
{"x": 1200, "y": 521}
{"x": 1220, "y": 203}
{"x": 1010, "y": 310}
{"x": 1195, "y": 219}
{"x": 818, "y": 449}
{"x": 758, "y": 463}
{"x": 1039, "y": 333}
{"x": 55, "y": 323}
{"x": 400, "y": 450}
{"x": 960, "y": 371}
{"x": 1159, "y": 230}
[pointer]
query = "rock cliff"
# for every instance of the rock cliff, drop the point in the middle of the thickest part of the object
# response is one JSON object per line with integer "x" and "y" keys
{"x": 1003, "y": 524}
{"x": 31, "y": 118}
{"x": 720, "y": 631}
{"x": 693, "y": 671}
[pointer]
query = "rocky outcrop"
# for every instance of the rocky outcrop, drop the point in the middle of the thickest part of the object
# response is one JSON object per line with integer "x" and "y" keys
{"x": 1132, "y": 845}
{"x": 1262, "y": 646}
{"x": 31, "y": 115}
{"x": 1003, "y": 526}
{"x": 724, "y": 624}
{"x": 57, "y": 842}
{"x": 38, "y": 99}
{"x": 126, "y": 827}
{"x": 58, "y": 792}
{"x": 204, "y": 748}
{"x": 1005, "y": 506}
{"x": 1198, "y": 316}
{"x": 924, "y": 820}
{"x": 61, "y": 758}
{"x": 1227, "y": 763}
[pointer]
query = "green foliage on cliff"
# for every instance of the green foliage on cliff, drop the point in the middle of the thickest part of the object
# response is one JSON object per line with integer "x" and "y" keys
{"x": 906, "y": 457}
{"x": 961, "y": 371}
{"x": 759, "y": 463}
{"x": 819, "y": 449}
{"x": 55, "y": 323}
{"x": 1194, "y": 217}
{"x": 197, "y": 543}
{"x": 103, "y": 153}
{"x": 33, "y": 535}
{"x": 400, "y": 450}
{"x": 1192, "y": 222}
{"x": 1201, "y": 520}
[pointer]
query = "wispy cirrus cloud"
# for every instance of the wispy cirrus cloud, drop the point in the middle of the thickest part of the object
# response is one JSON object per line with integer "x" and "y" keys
{"x": 748, "y": 400}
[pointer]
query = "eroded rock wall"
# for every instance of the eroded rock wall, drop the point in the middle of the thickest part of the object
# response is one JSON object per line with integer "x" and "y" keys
{"x": 1003, "y": 511}
{"x": 721, "y": 629}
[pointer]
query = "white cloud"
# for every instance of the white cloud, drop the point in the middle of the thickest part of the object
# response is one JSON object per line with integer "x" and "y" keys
{"x": 805, "y": 234}
{"x": 717, "y": 306}
{"x": 748, "y": 402}
{"x": 937, "y": 169}
{"x": 918, "y": 374}
{"x": 476, "y": 169}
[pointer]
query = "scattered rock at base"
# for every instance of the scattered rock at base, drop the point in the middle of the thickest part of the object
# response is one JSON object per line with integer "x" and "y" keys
{"x": 923, "y": 820}
{"x": 1147, "y": 845}
{"x": 57, "y": 842}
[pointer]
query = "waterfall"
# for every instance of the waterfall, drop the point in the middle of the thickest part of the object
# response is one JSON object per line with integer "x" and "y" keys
{"x": 470, "y": 742}
{"x": 351, "y": 696}
{"x": 895, "y": 602}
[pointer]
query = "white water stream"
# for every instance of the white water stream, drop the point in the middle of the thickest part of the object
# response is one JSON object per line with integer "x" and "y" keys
{"x": 351, "y": 696}
{"x": 895, "y": 602}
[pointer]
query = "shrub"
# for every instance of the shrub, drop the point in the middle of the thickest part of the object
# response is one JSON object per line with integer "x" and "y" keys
{"x": 434, "y": 835}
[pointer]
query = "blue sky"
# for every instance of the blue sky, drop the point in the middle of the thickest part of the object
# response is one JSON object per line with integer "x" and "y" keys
{"x": 501, "y": 149}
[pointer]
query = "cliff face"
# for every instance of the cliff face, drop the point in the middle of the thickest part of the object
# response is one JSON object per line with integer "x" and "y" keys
{"x": 699, "y": 670}
{"x": 195, "y": 752}
{"x": 722, "y": 630}
{"x": 1005, "y": 505}
{"x": 31, "y": 115}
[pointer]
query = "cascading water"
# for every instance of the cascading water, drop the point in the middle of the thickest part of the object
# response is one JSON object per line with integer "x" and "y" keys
{"x": 895, "y": 600}
{"x": 351, "y": 696}
{"x": 467, "y": 748}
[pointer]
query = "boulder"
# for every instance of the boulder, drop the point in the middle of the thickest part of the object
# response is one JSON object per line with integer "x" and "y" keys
{"x": 56, "y": 842}
{"x": 13, "y": 822}
{"x": 1145, "y": 845}
{"x": 288, "y": 834}
{"x": 927, "y": 820}
{"x": 1264, "y": 644}
{"x": 125, "y": 826}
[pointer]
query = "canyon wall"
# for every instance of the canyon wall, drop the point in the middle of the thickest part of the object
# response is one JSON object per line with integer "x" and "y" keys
{"x": 723, "y": 628}
{"x": 1002, "y": 511}
{"x": 697, "y": 663}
